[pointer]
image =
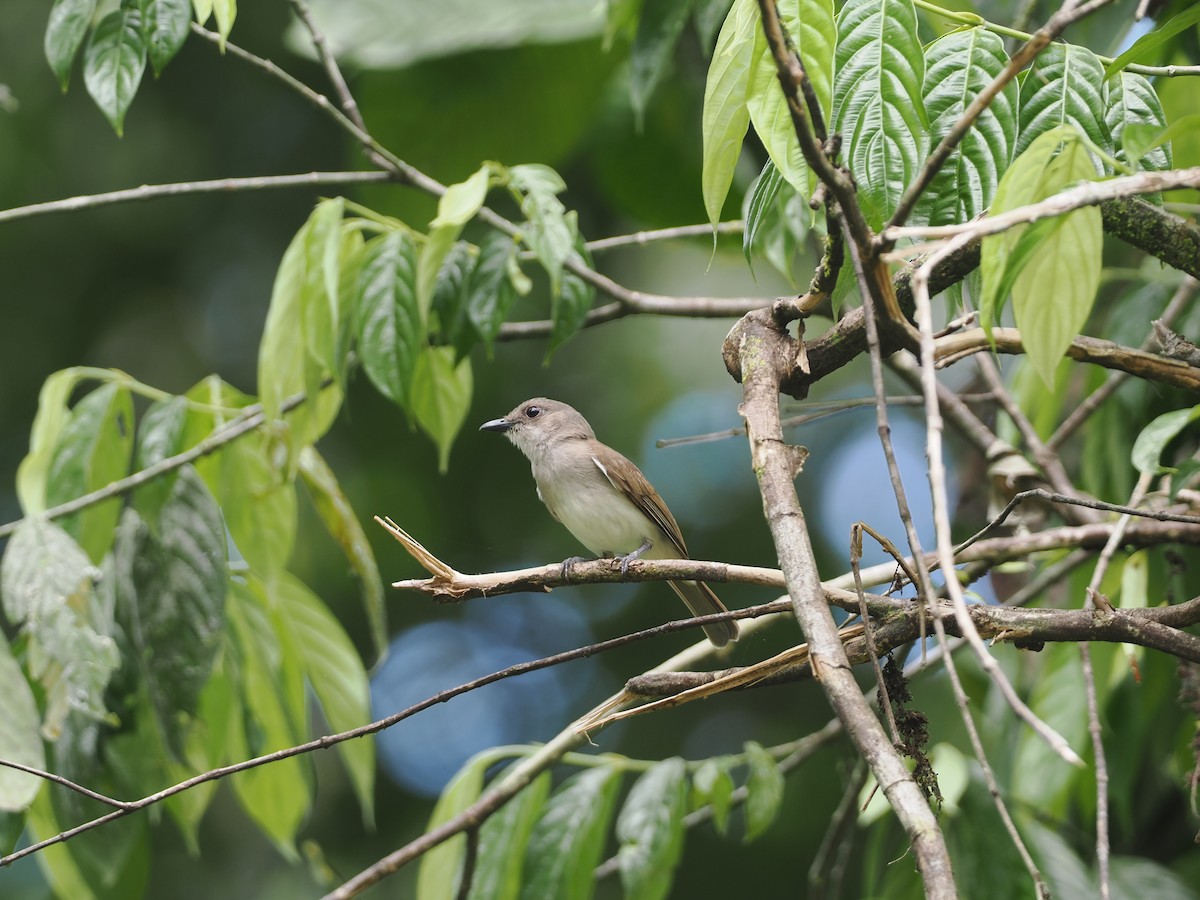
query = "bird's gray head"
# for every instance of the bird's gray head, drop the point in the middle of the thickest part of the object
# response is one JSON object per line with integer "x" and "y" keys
{"x": 540, "y": 421}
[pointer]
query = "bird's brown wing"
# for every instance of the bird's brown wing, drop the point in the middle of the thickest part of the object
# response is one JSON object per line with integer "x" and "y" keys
{"x": 629, "y": 480}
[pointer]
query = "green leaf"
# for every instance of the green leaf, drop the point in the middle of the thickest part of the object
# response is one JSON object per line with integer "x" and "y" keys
{"x": 1039, "y": 776}
{"x": 1139, "y": 140}
{"x": 46, "y": 583}
{"x": 503, "y": 840}
{"x": 166, "y": 25}
{"x": 759, "y": 206}
{"x": 113, "y": 63}
{"x": 707, "y": 19}
{"x": 1055, "y": 290}
{"x": 650, "y": 830}
{"x": 658, "y": 33}
{"x": 52, "y": 416}
{"x": 19, "y": 738}
{"x": 958, "y": 66}
{"x": 712, "y": 786}
{"x": 726, "y": 117}
{"x": 170, "y": 600}
{"x": 488, "y": 292}
{"x": 160, "y": 435}
{"x": 276, "y": 797}
{"x": 389, "y": 323}
{"x": 877, "y": 100}
{"x": 551, "y": 232}
{"x": 337, "y": 677}
{"x": 1064, "y": 86}
{"x": 204, "y": 10}
{"x": 814, "y": 34}
{"x": 764, "y": 790}
{"x": 93, "y": 450}
{"x": 570, "y": 306}
{"x": 1144, "y": 46}
{"x": 1132, "y": 103}
{"x": 566, "y": 843}
{"x": 340, "y": 520}
{"x": 1150, "y": 444}
{"x": 441, "y": 397}
{"x": 1135, "y": 877}
{"x": 462, "y": 201}
{"x": 453, "y": 327}
{"x": 60, "y": 868}
{"x": 69, "y": 21}
{"x": 438, "y": 876}
{"x": 225, "y": 12}
{"x": 319, "y": 300}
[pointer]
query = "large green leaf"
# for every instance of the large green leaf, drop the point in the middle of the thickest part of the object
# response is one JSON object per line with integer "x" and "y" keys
{"x": 69, "y": 21}
{"x": 337, "y": 677}
{"x": 650, "y": 830}
{"x": 814, "y": 34}
{"x": 1064, "y": 86}
{"x": 441, "y": 397}
{"x": 170, "y": 590}
{"x": 764, "y": 790}
{"x": 550, "y": 232}
{"x": 1131, "y": 101}
{"x": 451, "y": 323}
{"x": 46, "y": 582}
{"x": 166, "y": 23}
{"x": 19, "y": 738}
{"x": 160, "y": 435}
{"x": 488, "y": 294}
{"x": 52, "y": 417}
{"x": 388, "y": 319}
{"x": 503, "y": 840}
{"x": 94, "y": 449}
{"x": 567, "y": 840}
{"x": 958, "y": 66}
{"x": 658, "y": 32}
{"x": 438, "y": 876}
{"x": 1153, "y": 439}
{"x": 113, "y": 63}
{"x": 877, "y": 100}
{"x": 726, "y": 117}
{"x": 319, "y": 298}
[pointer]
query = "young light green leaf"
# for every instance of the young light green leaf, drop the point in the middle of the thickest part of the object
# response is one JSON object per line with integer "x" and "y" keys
{"x": 1055, "y": 290}
{"x": 441, "y": 397}
{"x": 489, "y": 292}
{"x": 1132, "y": 103}
{"x": 46, "y": 584}
{"x": 877, "y": 99}
{"x": 958, "y": 66}
{"x": 113, "y": 63}
{"x": 438, "y": 876}
{"x": 160, "y": 435}
{"x": 814, "y": 34}
{"x": 388, "y": 320}
{"x": 170, "y": 601}
{"x": 1144, "y": 46}
{"x": 1064, "y": 86}
{"x": 565, "y": 845}
{"x": 19, "y": 738}
{"x": 225, "y": 12}
{"x": 650, "y": 830}
{"x": 52, "y": 416}
{"x": 166, "y": 29}
{"x": 69, "y": 21}
{"x": 1139, "y": 140}
{"x": 94, "y": 449}
{"x": 764, "y": 790}
{"x": 462, "y": 201}
{"x": 342, "y": 523}
{"x": 319, "y": 299}
{"x": 204, "y": 9}
{"x": 503, "y": 840}
{"x": 712, "y": 786}
{"x": 1150, "y": 444}
{"x": 726, "y": 117}
{"x": 337, "y": 676}
{"x": 551, "y": 232}
{"x": 658, "y": 32}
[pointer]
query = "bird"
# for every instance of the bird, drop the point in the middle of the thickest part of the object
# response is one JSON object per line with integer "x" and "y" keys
{"x": 602, "y": 498}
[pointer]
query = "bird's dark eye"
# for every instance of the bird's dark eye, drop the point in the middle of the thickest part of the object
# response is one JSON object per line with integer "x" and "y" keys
{"x": 533, "y": 412}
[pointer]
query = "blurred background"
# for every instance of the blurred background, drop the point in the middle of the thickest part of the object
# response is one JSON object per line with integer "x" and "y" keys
{"x": 174, "y": 289}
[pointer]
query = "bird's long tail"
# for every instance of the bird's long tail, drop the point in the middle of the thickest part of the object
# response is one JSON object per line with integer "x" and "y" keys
{"x": 701, "y": 600}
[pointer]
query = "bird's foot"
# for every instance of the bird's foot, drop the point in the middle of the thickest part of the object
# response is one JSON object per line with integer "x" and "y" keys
{"x": 630, "y": 557}
{"x": 568, "y": 564}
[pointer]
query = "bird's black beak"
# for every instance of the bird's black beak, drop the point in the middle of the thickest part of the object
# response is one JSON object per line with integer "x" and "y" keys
{"x": 496, "y": 425}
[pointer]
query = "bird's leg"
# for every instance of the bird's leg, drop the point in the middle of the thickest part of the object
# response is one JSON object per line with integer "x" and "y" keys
{"x": 630, "y": 557}
{"x": 568, "y": 563}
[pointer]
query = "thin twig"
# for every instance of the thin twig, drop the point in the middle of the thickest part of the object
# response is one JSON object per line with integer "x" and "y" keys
{"x": 642, "y": 238}
{"x": 836, "y": 834}
{"x": 332, "y": 71}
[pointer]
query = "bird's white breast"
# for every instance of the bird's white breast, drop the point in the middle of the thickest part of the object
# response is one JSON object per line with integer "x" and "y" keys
{"x": 600, "y": 517}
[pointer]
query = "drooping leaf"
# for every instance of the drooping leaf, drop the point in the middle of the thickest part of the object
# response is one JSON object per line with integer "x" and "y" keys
{"x": 489, "y": 292}
{"x": 764, "y": 790}
{"x": 1153, "y": 440}
{"x": 726, "y": 117}
{"x": 113, "y": 63}
{"x": 1133, "y": 103}
{"x": 759, "y": 205}
{"x": 570, "y": 306}
{"x": 453, "y": 327}
{"x": 337, "y": 676}
{"x": 437, "y": 878}
{"x": 1064, "y": 86}
{"x": 877, "y": 100}
{"x": 565, "y": 845}
{"x": 503, "y": 840}
{"x": 463, "y": 200}
{"x": 650, "y": 830}
{"x": 94, "y": 449}
{"x": 19, "y": 738}
{"x": 1144, "y": 46}
{"x": 225, "y": 12}
{"x": 658, "y": 32}
{"x": 46, "y": 583}
{"x": 170, "y": 590}
{"x": 814, "y": 34}
{"x": 389, "y": 322}
{"x": 550, "y": 231}
{"x": 166, "y": 29}
{"x": 52, "y": 416}
{"x": 441, "y": 397}
{"x": 712, "y": 786}
{"x": 69, "y": 21}
{"x": 958, "y": 66}
{"x": 160, "y": 435}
